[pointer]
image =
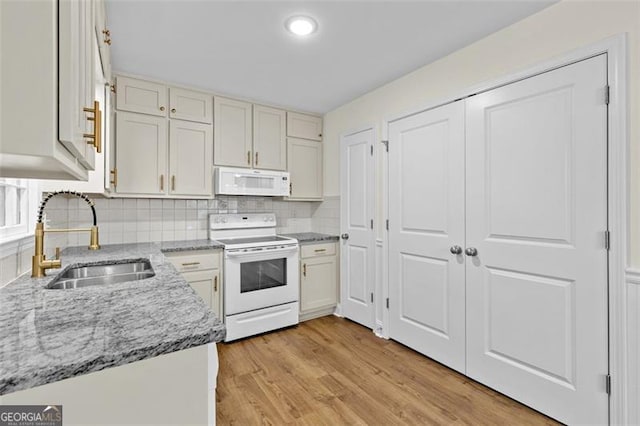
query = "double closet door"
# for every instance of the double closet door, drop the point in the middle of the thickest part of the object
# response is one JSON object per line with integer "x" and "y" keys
{"x": 497, "y": 261}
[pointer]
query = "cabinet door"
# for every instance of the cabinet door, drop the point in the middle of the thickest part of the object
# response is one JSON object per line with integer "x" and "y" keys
{"x": 76, "y": 79}
{"x": 269, "y": 139}
{"x": 304, "y": 126}
{"x": 207, "y": 285}
{"x": 103, "y": 35}
{"x": 141, "y": 154}
{"x": 189, "y": 105}
{"x": 190, "y": 158}
{"x": 318, "y": 284}
{"x": 304, "y": 163}
{"x": 232, "y": 133}
{"x": 141, "y": 96}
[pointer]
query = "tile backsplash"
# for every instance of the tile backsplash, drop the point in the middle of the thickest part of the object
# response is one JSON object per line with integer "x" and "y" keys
{"x": 144, "y": 220}
{"x": 148, "y": 220}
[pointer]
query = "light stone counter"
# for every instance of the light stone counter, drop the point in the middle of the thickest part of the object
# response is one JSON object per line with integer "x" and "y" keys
{"x": 50, "y": 335}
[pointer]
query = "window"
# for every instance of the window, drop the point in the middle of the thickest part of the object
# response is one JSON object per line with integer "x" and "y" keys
{"x": 18, "y": 199}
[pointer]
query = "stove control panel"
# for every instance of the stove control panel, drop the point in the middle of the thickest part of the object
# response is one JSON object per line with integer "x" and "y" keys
{"x": 242, "y": 221}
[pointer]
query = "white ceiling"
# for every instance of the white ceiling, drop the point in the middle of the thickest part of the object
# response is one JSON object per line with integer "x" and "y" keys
{"x": 240, "y": 48}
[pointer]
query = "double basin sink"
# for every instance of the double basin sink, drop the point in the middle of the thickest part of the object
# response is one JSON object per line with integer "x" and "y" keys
{"x": 112, "y": 273}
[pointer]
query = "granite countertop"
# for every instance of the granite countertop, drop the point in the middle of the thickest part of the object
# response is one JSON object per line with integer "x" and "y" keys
{"x": 312, "y": 237}
{"x": 50, "y": 335}
{"x": 186, "y": 245}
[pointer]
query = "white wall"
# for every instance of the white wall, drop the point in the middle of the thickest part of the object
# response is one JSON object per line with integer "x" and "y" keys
{"x": 558, "y": 29}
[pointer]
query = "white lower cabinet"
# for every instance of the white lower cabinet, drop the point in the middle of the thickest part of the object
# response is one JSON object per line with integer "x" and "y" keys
{"x": 202, "y": 270}
{"x": 136, "y": 393}
{"x": 318, "y": 280}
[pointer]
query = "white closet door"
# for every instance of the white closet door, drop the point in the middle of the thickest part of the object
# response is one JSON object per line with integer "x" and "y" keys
{"x": 426, "y": 221}
{"x": 536, "y": 213}
{"x": 357, "y": 204}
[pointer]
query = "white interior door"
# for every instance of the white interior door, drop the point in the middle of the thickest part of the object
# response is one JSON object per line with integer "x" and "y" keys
{"x": 536, "y": 214}
{"x": 426, "y": 233}
{"x": 356, "y": 212}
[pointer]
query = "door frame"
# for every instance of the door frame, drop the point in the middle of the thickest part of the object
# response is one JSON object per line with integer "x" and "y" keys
{"x": 618, "y": 194}
{"x": 375, "y": 323}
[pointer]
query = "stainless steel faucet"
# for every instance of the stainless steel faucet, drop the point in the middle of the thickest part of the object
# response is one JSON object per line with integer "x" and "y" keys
{"x": 39, "y": 263}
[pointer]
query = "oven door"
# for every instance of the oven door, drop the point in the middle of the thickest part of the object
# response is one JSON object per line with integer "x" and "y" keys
{"x": 260, "y": 278}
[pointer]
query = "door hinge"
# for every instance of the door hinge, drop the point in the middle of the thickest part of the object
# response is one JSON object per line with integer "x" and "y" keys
{"x": 607, "y": 94}
{"x": 371, "y": 297}
{"x": 607, "y": 240}
{"x": 387, "y": 303}
{"x": 112, "y": 87}
{"x": 607, "y": 383}
{"x": 387, "y": 224}
{"x": 372, "y": 150}
{"x": 386, "y": 145}
{"x": 371, "y": 223}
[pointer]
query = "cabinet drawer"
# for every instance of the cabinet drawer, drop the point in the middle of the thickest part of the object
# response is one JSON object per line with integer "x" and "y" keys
{"x": 312, "y": 250}
{"x": 194, "y": 261}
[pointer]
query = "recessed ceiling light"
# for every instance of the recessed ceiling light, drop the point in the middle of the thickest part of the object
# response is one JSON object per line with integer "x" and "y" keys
{"x": 301, "y": 25}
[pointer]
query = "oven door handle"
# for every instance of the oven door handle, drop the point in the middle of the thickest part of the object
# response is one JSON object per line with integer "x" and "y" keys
{"x": 266, "y": 251}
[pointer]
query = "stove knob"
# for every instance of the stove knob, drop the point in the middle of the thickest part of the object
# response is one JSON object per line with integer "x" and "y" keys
{"x": 216, "y": 220}
{"x": 224, "y": 220}
{"x": 266, "y": 218}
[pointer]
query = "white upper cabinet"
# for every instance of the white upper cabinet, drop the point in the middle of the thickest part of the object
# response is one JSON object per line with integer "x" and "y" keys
{"x": 269, "y": 138}
{"x": 76, "y": 81}
{"x": 103, "y": 36}
{"x": 189, "y": 105}
{"x": 142, "y": 96}
{"x": 190, "y": 158}
{"x": 141, "y": 154}
{"x": 232, "y": 133}
{"x": 304, "y": 163}
{"x": 304, "y": 126}
{"x": 47, "y": 82}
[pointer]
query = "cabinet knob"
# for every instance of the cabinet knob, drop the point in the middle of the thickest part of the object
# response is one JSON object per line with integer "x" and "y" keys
{"x": 173, "y": 110}
{"x": 345, "y": 236}
{"x": 319, "y": 135}
{"x": 471, "y": 251}
{"x": 161, "y": 108}
{"x": 455, "y": 250}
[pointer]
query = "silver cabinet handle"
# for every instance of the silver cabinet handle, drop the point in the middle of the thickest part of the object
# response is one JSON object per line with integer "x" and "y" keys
{"x": 455, "y": 250}
{"x": 345, "y": 236}
{"x": 471, "y": 251}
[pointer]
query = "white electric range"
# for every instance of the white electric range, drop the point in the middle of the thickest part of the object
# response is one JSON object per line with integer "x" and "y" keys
{"x": 261, "y": 282}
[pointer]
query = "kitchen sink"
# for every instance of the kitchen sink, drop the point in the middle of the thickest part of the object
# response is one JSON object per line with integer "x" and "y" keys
{"x": 112, "y": 273}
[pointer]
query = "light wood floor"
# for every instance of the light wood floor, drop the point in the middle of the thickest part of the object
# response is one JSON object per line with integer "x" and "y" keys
{"x": 332, "y": 371}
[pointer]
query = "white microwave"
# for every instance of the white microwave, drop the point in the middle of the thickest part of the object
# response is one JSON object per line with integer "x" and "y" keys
{"x": 234, "y": 181}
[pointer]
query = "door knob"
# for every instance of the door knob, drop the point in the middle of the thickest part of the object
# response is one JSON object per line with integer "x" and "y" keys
{"x": 471, "y": 251}
{"x": 345, "y": 236}
{"x": 455, "y": 250}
